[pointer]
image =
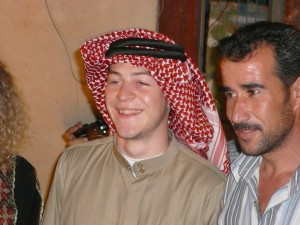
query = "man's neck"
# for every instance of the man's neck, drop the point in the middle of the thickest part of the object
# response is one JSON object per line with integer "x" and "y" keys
{"x": 282, "y": 160}
{"x": 143, "y": 148}
{"x": 276, "y": 170}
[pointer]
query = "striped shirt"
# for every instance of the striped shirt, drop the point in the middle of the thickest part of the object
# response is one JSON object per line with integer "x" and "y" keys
{"x": 241, "y": 197}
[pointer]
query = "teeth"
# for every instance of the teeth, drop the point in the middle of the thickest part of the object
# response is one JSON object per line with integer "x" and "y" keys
{"x": 129, "y": 111}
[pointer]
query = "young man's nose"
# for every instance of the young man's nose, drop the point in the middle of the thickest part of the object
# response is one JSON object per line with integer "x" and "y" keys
{"x": 126, "y": 91}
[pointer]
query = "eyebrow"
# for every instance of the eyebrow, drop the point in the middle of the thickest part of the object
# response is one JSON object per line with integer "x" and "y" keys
{"x": 147, "y": 72}
{"x": 243, "y": 86}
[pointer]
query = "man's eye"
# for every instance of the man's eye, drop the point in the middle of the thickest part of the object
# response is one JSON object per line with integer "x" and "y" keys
{"x": 253, "y": 92}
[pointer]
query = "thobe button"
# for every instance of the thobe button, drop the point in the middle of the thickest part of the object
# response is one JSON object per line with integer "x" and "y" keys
{"x": 141, "y": 167}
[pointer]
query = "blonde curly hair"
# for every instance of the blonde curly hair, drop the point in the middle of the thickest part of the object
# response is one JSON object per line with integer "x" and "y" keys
{"x": 13, "y": 120}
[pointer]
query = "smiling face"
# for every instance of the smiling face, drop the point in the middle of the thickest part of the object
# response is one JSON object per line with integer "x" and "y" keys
{"x": 256, "y": 104}
{"x": 135, "y": 103}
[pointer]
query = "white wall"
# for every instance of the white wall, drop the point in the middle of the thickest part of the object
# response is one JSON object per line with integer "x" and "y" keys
{"x": 39, "y": 42}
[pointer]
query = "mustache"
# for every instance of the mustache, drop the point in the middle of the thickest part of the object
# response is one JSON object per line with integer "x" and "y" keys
{"x": 246, "y": 126}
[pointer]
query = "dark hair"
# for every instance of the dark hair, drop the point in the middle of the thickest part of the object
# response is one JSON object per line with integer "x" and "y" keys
{"x": 282, "y": 38}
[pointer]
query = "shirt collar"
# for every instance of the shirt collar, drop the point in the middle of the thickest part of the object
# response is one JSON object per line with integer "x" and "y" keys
{"x": 295, "y": 182}
{"x": 246, "y": 167}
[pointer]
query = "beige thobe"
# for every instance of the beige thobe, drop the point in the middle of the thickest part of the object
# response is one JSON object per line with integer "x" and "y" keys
{"x": 94, "y": 184}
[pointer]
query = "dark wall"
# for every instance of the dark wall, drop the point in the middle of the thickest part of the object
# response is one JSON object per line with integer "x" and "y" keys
{"x": 178, "y": 20}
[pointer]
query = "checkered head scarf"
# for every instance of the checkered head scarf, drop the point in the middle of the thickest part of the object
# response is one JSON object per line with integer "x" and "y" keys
{"x": 193, "y": 117}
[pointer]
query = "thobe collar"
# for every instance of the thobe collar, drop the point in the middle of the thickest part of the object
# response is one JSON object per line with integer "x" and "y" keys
{"x": 148, "y": 166}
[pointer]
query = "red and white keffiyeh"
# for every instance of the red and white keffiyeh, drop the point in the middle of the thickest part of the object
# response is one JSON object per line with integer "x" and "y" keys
{"x": 193, "y": 119}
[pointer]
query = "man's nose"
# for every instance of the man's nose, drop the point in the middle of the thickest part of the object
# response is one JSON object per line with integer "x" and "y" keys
{"x": 238, "y": 110}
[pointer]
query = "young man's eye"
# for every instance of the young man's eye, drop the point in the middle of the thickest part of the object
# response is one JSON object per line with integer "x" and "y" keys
{"x": 229, "y": 94}
{"x": 112, "y": 81}
{"x": 142, "y": 83}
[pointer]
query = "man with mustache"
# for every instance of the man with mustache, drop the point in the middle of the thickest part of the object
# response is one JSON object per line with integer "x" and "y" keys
{"x": 260, "y": 67}
{"x": 162, "y": 118}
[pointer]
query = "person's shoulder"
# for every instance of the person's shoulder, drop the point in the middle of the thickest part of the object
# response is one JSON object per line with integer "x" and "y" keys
{"x": 201, "y": 164}
{"x": 76, "y": 158}
{"x": 23, "y": 165}
{"x": 25, "y": 172}
{"x": 88, "y": 149}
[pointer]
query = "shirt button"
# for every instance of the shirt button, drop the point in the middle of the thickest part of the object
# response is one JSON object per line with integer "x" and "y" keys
{"x": 140, "y": 165}
{"x": 142, "y": 170}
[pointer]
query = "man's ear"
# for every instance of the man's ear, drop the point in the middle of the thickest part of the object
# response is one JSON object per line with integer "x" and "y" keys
{"x": 295, "y": 93}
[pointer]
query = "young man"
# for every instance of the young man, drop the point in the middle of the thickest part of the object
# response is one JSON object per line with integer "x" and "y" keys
{"x": 260, "y": 66}
{"x": 159, "y": 108}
